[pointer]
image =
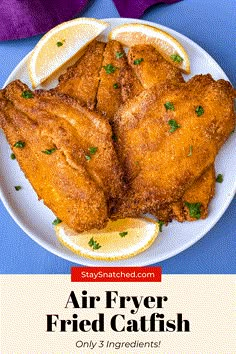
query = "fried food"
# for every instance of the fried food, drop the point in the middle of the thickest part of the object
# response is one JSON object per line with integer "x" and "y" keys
{"x": 81, "y": 80}
{"x": 202, "y": 191}
{"x": 155, "y": 140}
{"x": 65, "y": 151}
{"x": 151, "y": 68}
{"x": 109, "y": 94}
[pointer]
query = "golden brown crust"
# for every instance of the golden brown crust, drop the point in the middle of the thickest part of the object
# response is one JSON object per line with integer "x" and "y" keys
{"x": 77, "y": 190}
{"x": 81, "y": 80}
{"x": 151, "y": 68}
{"x": 202, "y": 191}
{"x": 109, "y": 93}
{"x": 164, "y": 170}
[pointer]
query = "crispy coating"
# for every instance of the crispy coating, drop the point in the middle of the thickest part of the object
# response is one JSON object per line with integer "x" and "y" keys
{"x": 129, "y": 83}
{"x": 156, "y": 160}
{"x": 72, "y": 179}
{"x": 202, "y": 191}
{"x": 81, "y": 80}
{"x": 155, "y": 70}
{"x": 151, "y": 68}
{"x": 109, "y": 94}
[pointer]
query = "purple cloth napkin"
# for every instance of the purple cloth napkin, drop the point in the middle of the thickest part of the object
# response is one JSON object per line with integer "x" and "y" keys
{"x": 26, "y": 18}
{"x": 134, "y": 8}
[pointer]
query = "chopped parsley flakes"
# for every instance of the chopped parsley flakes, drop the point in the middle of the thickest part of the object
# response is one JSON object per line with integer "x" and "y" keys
{"x": 59, "y": 44}
{"x": 161, "y": 223}
{"x": 109, "y": 68}
{"x": 123, "y": 234}
{"x": 138, "y": 61}
{"x": 176, "y": 58}
{"x": 114, "y": 137}
{"x": 27, "y": 94}
{"x": 199, "y": 111}
{"x": 56, "y": 221}
{"x": 19, "y": 144}
{"x": 119, "y": 55}
{"x": 194, "y": 209}
{"x": 190, "y": 150}
{"x": 173, "y": 125}
{"x": 17, "y": 188}
{"x": 13, "y": 156}
{"x": 92, "y": 151}
{"x": 94, "y": 244}
{"x": 169, "y": 106}
{"x": 116, "y": 86}
{"x": 219, "y": 178}
{"x": 88, "y": 158}
{"x": 49, "y": 151}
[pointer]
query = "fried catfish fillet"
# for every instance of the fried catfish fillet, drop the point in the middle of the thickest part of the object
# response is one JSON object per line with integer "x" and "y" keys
{"x": 109, "y": 94}
{"x": 65, "y": 151}
{"x": 81, "y": 80}
{"x": 154, "y": 140}
{"x": 202, "y": 191}
{"x": 151, "y": 68}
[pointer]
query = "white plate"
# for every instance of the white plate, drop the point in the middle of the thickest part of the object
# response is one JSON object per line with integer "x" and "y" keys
{"x": 36, "y": 219}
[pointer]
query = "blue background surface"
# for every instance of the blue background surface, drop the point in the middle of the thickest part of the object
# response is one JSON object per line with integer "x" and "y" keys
{"x": 209, "y": 23}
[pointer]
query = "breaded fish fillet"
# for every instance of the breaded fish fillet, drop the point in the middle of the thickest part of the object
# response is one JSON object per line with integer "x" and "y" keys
{"x": 65, "y": 151}
{"x": 151, "y": 68}
{"x": 155, "y": 140}
{"x": 81, "y": 80}
{"x": 201, "y": 191}
{"x": 109, "y": 94}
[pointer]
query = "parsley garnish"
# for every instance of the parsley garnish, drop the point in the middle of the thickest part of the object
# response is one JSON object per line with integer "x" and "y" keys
{"x": 199, "y": 111}
{"x": 190, "y": 150}
{"x": 174, "y": 125}
{"x": 194, "y": 209}
{"x": 19, "y": 144}
{"x": 169, "y": 106}
{"x": 59, "y": 44}
{"x": 219, "y": 178}
{"x": 93, "y": 150}
{"x": 116, "y": 86}
{"x": 13, "y": 156}
{"x": 123, "y": 234}
{"x": 94, "y": 244}
{"x": 119, "y": 55}
{"x": 138, "y": 61}
{"x": 17, "y": 188}
{"x": 49, "y": 151}
{"x": 114, "y": 137}
{"x": 56, "y": 221}
{"x": 176, "y": 58}
{"x": 161, "y": 223}
{"x": 109, "y": 68}
{"x": 27, "y": 94}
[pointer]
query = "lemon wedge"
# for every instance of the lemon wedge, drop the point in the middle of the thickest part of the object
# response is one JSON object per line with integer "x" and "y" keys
{"x": 60, "y": 44}
{"x": 168, "y": 46}
{"x": 120, "y": 239}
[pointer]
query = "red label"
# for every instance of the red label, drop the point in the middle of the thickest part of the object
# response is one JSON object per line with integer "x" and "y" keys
{"x": 116, "y": 274}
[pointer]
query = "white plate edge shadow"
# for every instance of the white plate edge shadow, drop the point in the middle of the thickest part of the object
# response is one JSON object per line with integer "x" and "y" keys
{"x": 141, "y": 259}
